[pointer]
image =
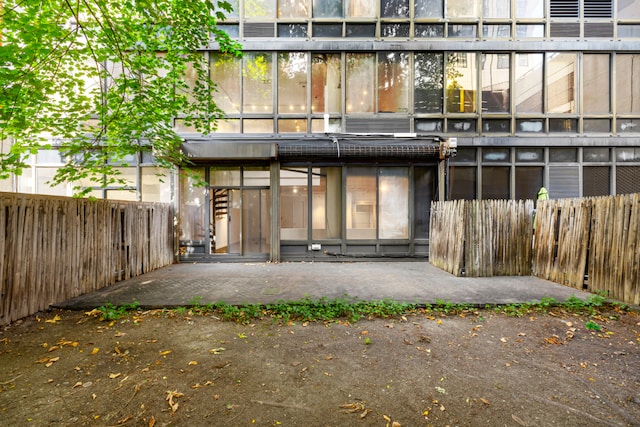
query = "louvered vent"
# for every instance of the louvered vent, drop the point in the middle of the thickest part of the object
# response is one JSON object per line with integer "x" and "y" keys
{"x": 627, "y": 179}
{"x": 377, "y": 125}
{"x": 259, "y": 29}
{"x": 597, "y": 8}
{"x": 564, "y": 29}
{"x": 598, "y": 29}
{"x": 564, "y": 181}
{"x": 564, "y": 8}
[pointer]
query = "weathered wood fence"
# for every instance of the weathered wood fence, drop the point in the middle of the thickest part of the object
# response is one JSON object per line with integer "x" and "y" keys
{"x": 591, "y": 243}
{"x": 482, "y": 237}
{"x": 55, "y": 248}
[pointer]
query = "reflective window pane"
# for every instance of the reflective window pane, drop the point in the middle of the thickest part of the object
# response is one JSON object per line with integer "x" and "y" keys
{"x": 292, "y": 8}
{"x": 257, "y": 126}
{"x": 496, "y": 8}
{"x": 326, "y": 83}
{"x": 461, "y": 82}
{"x": 493, "y": 155}
{"x": 360, "y": 89}
{"x": 561, "y": 82}
{"x": 595, "y": 154}
{"x": 393, "y": 82}
{"x": 528, "y": 155}
{"x": 462, "y": 9}
{"x": 530, "y": 125}
{"x": 192, "y": 201}
{"x": 327, "y": 8}
{"x": 463, "y": 183}
{"x": 629, "y": 9}
{"x": 292, "y": 30}
{"x": 524, "y": 31}
{"x": 220, "y": 176}
{"x": 260, "y": 9}
{"x": 563, "y": 125}
{"x": 394, "y": 30}
{"x": 394, "y": 9}
{"x": 495, "y": 75}
{"x": 627, "y": 87}
{"x": 563, "y": 155}
{"x": 360, "y": 9}
{"x": 428, "y": 126}
{"x": 596, "y": 75}
{"x": 466, "y": 31}
{"x": 361, "y": 203}
{"x": 461, "y": 125}
{"x": 528, "y": 87}
{"x": 292, "y": 126}
{"x": 292, "y": 82}
{"x": 361, "y": 30}
{"x": 529, "y": 8}
{"x": 393, "y": 203}
{"x": 294, "y": 206}
{"x": 428, "y": 30}
{"x": 326, "y": 203}
{"x": 428, "y": 83}
{"x": 257, "y": 78}
{"x": 498, "y": 31}
{"x": 423, "y": 184}
{"x": 225, "y": 73}
{"x": 327, "y": 30}
{"x": 428, "y": 8}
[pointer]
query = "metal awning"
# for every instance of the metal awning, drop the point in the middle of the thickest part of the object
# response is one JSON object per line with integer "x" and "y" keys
{"x": 321, "y": 147}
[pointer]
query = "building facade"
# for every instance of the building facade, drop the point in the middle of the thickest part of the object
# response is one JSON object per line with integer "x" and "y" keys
{"x": 346, "y": 118}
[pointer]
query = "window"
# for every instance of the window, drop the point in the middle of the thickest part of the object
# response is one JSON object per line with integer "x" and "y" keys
{"x": 294, "y": 203}
{"x": 462, "y": 9}
{"x": 326, "y": 83}
{"x": 327, "y": 9}
{"x": 495, "y": 82}
{"x": 529, "y": 8}
{"x": 292, "y": 83}
{"x": 428, "y": 8}
{"x": 257, "y": 78}
{"x": 627, "y": 89}
{"x": 428, "y": 82}
{"x": 630, "y": 9}
{"x": 360, "y": 9}
{"x": 292, "y": 9}
{"x": 596, "y": 75}
{"x": 393, "y": 203}
{"x": 496, "y": 8}
{"x": 461, "y": 82}
{"x": 393, "y": 82}
{"x": 561, "y": 82}
{"x": 361, "y": 203}
{"x": 394, "y": 9}
{"x": 225, "y": 73}
{"x": 360, "y": 88}
{"x": 326, "y": 203}
{"x": 260, "y": 9}
{"x": 528, "y": 96}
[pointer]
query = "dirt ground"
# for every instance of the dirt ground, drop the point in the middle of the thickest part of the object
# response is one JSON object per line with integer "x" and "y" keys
{"x": 159, "y": 368}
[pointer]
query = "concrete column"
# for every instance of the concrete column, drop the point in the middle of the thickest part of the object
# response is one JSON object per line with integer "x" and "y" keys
{"x": 274, "y": 255}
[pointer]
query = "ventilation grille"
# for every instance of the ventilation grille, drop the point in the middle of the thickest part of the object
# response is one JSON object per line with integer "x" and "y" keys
{"x": 358, "y": 149}
{"x": 597, "y": 8}
{"x": 564, "y": 8}
{"x": 564, "y": 29}
{"x": 598, "y": 29}
{"x": 564, "y": 181}
{"x": 596, "y": 181}
{"x": 377, "y": 125}
{"x": 259, "y": 29}
{"x": 627, "y": 181}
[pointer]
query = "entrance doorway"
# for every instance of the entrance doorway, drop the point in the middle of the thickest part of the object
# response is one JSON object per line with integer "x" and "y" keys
{"x": 240, "y": 221}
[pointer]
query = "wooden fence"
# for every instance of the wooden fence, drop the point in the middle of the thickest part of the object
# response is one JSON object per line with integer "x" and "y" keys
{"x": 482, "y": 237}
{"x": 591, "y": 243}
{"x": 55, "y": 248}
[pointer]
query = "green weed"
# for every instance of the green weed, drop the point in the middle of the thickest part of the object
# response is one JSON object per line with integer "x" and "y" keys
{"x": 114, "y": 312}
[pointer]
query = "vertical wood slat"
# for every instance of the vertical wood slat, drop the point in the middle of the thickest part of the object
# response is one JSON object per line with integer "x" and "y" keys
{"x": 56, "y": 248}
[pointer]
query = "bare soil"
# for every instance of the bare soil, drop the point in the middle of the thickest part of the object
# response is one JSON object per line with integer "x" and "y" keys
{"x": 159, "y": 368}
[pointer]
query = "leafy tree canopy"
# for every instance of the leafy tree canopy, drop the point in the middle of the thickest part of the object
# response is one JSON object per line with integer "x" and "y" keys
{"x": 103, "y": 79}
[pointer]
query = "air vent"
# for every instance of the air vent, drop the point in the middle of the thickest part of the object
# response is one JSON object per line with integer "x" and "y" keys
{"x": 597, "y": 8}
{"x": 564, "y": 29}
{"x": 259, "y": 29}
{"x": 378, "y": 125}
{"x": 598, "y": 29}
{"x": 564, "y": 8}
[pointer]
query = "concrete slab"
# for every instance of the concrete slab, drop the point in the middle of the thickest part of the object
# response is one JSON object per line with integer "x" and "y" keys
{"x": 249, "y": 283}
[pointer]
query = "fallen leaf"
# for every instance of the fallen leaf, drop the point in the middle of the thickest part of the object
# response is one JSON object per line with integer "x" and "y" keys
{"x": 55, "y": 319}
{"x": 193, "y": 362}
{"x": 165, "y": 352}
{"x": 172, "y": 404}
{"x": 217, "y": 350}
{"x": 503, "y": 339}
{"x": 485, "y": 401}
{"x": 518, "y": 420}
{"x": 439, "y": 322}
{"x": 95, "y": 351}
{"x": 78, "y": 384}
{"x": 114, "y": 376}
{"x": 152, "y": 422}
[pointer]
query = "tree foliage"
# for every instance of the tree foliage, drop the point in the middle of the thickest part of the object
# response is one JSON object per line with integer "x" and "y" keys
{"x": 103, "y": 79}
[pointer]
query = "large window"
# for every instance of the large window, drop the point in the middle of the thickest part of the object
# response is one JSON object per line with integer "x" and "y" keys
{"x": 596, "y": 75}
{"x": 326, "y": 83}
{"x": 292, "y": 83}
{"x": 393, "y": 203}
{"x": 326, "y": 204}
{"x": 225, "y": 73}
{"x": 627, "y": 87}
{"x": 257, "y": 83}
{"x": 561, "y": 82}
{"x": 393, "y": 82}
{"x": 496, "y": 73}
{"x": 528, "y": 87}
{"x": 462, "y": 9}
{"x": 428, "y": 8}
{"x": 462, "y": 82}
{"x": 428, "y": 83}
{"x": 294, "y": 203}
{"x": 360, "y": 82}
{"x": 260, "y": 9}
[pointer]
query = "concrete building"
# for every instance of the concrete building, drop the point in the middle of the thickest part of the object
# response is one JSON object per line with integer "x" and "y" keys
{"x": 346, "y": 118}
